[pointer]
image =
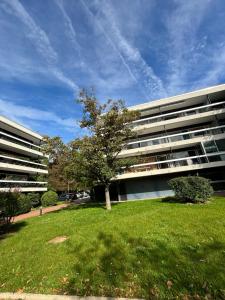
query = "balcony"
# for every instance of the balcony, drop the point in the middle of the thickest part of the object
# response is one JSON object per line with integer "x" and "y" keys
{"x": 21, "y": 162}
{"x": 23, "y": 186}
{"x": 174, "y": 165}
{"x": 184, "y": 136}
{"x": 182, "y": 113}
{"x": 12, "y": 146}
{"x": 11, "y": 138}
{"x": 12, "y": 164}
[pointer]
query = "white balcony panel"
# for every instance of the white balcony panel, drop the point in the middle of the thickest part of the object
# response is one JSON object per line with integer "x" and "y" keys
{"x": 170, "y": 170}
{"x": 178, "y": 122}
{"x": 21, "y": 169}
{"x": 169, "y": 146}
{"x": 21, "y": 182}
{"x": 21, "y": 160}
{"x": 6, "y": 145}
{"x": 19, "y": 130}
{"x": 26, "y": 189}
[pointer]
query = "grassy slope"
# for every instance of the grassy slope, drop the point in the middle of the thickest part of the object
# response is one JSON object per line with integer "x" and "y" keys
{"x": 132, "y": 251}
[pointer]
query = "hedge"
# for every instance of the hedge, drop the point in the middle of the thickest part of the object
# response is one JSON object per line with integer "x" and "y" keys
{"x": 49, "y": 198}
{"x": 191, "y": 188}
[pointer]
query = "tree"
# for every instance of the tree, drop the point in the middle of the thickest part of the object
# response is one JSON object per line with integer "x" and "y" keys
{"x": 95, "y": 157}
{"x": 59, "y": 157}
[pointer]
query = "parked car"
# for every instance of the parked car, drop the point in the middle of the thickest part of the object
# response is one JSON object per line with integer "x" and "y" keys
{"x": 82, "y": 197}
{"x": 67, "y": 196}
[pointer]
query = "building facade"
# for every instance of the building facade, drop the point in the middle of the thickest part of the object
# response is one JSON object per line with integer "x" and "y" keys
{"x": 21, "y": 165}
{"x": 177, "y": 136}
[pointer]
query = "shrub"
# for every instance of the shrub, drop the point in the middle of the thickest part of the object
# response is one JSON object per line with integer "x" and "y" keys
{"x": 9, "y": 206}
{"x": 191, "y": 188}
{"x": 24, "y": 204}
{"x": 49, "y": 198}
{"x": 34, "y": 198}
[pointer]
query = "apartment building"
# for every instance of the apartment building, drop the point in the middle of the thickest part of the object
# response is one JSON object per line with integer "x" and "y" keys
{"x": 21, "y": 158}
{"x": 177, "y": 136}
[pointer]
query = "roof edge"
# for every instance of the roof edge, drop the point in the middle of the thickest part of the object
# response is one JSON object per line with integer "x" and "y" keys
{"x": 176, "y": 98}
{"x": 20, "y": 127}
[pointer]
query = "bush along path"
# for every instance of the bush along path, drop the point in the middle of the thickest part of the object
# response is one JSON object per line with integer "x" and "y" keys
{"x": 36, "y": 213}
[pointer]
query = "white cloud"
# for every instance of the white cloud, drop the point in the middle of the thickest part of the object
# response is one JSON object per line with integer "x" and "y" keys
{"x": 40, "y": 40}
{"x": 184, "y": 45}
{"x": 142, "y": 74}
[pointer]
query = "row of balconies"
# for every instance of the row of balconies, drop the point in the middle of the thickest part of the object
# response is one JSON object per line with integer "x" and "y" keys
{"x": 174, "y": 165}
{"x": 11, "y": 138}
{"x": 178, "y": 114}
{"x": 23, "y": 185}
{"x": 11, "y": 143}
{"x": 22, "y": 166}
{"x": 176, "y": 137}
{"x": 21, "y": 162}
{"x": 18, "y": 183}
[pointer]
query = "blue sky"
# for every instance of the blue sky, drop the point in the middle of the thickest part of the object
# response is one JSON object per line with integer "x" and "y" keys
{"x": 136, "y": 50}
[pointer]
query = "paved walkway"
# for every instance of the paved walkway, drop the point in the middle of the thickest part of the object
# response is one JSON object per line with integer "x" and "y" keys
{"x": 35, "y": 213}
{"x": 23, "y": 296}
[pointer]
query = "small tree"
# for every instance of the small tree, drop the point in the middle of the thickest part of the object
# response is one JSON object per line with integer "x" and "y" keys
{"x": 34, "y": 199}
{"x": 9, "y": 205}
{"x": 59, "y": 159}
{"x": 49, "y": 198}
{"x": 191, "y": 188}
{"x": 24, "y": 204}
{"x": 96, "y": 155}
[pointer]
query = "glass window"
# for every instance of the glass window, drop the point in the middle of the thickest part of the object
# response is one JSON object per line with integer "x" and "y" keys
{"x": 221, "y": 145}
{"x": 210, "y": 147}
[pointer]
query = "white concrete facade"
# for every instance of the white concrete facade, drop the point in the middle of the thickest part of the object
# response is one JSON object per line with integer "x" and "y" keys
{"x": 176, "y": 136}
{"x": 21, "y": 158}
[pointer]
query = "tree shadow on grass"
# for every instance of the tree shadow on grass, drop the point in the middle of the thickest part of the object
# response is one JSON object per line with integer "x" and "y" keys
{"x": 117, "y": 265}
{"x": 78, "y": 206}
{"x": 9, "y": 230}
{"x": 173, "y": 199}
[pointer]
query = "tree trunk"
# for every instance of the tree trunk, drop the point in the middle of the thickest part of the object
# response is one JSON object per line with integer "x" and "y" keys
{"x": 107, "y": 198}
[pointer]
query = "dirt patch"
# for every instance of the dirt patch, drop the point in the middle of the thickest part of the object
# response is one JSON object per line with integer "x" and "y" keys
{"x": 58, "y": 239}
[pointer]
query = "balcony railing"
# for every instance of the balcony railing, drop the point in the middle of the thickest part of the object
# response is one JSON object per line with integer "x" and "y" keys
{"x": 179, "y": 114}
{"x": 176, "y": 137}
{"x": 11, "y": 138}
{"x": 20, "y": 162}
{"x": 174, "y": 163}
{"x": 19, "y": 184}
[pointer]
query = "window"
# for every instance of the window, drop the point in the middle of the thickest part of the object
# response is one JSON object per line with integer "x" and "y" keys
{"x": 210, "y": 147}
{"x": 221, "y": 145}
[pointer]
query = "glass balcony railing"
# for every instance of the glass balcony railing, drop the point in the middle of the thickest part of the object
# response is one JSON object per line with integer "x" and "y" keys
{"x": 176, "y": 137}
{"x": 174, "y": 163}
{"x": 179, "y": 114}
{"x": 20, "y": 162}
{"x": 7, "y": 137}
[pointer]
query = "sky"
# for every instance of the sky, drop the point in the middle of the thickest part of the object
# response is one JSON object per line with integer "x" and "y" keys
{"x": 135, "y": 50}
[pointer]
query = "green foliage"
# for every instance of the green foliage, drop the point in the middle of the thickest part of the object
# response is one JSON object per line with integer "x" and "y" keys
{"x": 24, "y": 204}
{"x": 191, "y": 188}
{"x": 9, "y": 206}
{"x": 95, "y": 157}
{"x": 59, "y": 167}
{"x": 34, "y": 199}
{"x": 49, "y": 198}
{"x": 92, "y": 160}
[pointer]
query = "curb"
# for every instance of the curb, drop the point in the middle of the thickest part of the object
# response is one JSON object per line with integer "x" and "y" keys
{"x": 25, "y": 296}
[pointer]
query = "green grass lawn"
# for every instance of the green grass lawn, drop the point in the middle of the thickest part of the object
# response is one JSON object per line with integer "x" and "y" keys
{"x": 144, "y": 249}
